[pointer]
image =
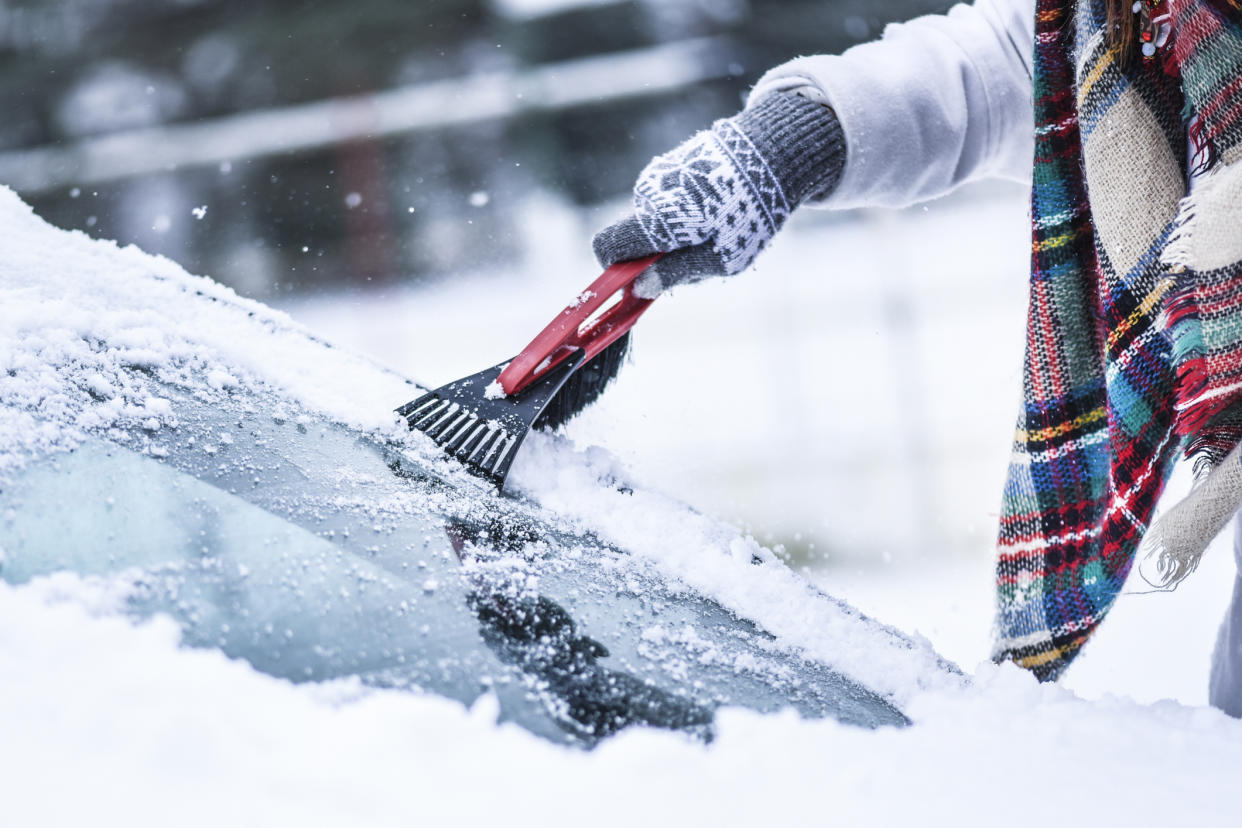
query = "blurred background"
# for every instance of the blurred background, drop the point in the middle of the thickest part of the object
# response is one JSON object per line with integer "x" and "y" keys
{"x": 393, "y": 138}
{"x": 421, "y": 180}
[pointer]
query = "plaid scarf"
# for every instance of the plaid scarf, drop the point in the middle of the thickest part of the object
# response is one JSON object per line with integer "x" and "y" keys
{"x": 1134, "y": 334}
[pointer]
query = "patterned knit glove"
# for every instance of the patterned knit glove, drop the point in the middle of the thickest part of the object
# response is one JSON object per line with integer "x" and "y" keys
{"x": 715, "y": 201}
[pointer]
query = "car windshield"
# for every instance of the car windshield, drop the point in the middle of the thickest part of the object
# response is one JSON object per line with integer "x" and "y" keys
{"x": 212, "y": 462}
{"x": 316, "y": 552}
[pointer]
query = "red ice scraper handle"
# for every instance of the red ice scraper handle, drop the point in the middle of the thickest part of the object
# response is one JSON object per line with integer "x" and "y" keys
{"x": 598, "y": 317}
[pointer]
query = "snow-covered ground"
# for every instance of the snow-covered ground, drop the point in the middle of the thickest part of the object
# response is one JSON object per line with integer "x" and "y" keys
{"x": 106, "y": 723}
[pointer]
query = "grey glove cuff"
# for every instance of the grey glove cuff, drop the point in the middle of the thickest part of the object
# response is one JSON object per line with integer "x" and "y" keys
{"x": 801, "y": 140}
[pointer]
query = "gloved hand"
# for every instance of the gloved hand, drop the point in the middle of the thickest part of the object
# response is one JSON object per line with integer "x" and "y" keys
{"x": 715, "y": 201}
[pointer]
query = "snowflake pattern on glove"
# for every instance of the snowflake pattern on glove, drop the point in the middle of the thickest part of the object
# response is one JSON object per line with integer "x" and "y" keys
{"x": 716, "y": 188}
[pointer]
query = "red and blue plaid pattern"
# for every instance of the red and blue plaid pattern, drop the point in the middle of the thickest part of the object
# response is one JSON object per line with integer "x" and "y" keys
{"x": 1098, "y": 433}
{"x": 1205, "y": 313}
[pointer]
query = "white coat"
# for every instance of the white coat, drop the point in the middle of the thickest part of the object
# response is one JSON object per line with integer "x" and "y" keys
{"x": 936, "y": 102}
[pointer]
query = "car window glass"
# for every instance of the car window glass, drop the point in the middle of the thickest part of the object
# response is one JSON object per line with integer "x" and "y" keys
{"x": 313, "y": 553}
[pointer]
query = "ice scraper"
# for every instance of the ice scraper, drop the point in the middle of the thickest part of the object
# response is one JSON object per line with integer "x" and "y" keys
{"x": 481, "y": 420}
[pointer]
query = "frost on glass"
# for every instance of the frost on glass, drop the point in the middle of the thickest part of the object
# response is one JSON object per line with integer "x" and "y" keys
{"x": 314, "y": 552}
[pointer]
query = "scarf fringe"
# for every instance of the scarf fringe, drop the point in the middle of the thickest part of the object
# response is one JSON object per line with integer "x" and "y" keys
{"x": 1178, "y": 253}
{"x": 1176, "y": 541}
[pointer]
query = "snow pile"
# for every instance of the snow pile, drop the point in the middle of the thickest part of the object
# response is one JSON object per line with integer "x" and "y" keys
{"x": 716, "y": 560}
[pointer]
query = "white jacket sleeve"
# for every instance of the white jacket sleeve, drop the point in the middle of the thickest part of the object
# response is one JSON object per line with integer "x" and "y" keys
{"x": 936, "y": 102}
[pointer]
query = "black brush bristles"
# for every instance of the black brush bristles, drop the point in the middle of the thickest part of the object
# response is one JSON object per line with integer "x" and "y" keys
{"x": 584, "y": 386}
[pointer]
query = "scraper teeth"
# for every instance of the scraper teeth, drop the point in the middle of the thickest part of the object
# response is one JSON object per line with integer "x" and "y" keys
{"x": 411, "y": 409}
{"x": 424, "y": 406}
{"x": 452, "y": 436}
{"x": 491, "y": 459}
{"x": 428, "y": 413}
{"x": 443, "y": 420}
{"x": 503, "y": 452}
{"x": 469, "y": 440}
{"x": 484, "y": 449}
{"x": 447, "y": 422}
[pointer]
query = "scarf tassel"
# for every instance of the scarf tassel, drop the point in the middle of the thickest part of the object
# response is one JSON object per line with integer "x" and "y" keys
{"x": 1174, "y": 545}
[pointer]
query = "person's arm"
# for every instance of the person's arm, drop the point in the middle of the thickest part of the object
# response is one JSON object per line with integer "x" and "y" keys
{"x": 936, "y": 102}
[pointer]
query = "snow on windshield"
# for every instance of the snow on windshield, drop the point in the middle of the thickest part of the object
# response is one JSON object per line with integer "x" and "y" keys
{"x": 91, "y": 334}
{"x": 119, "y": 715}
